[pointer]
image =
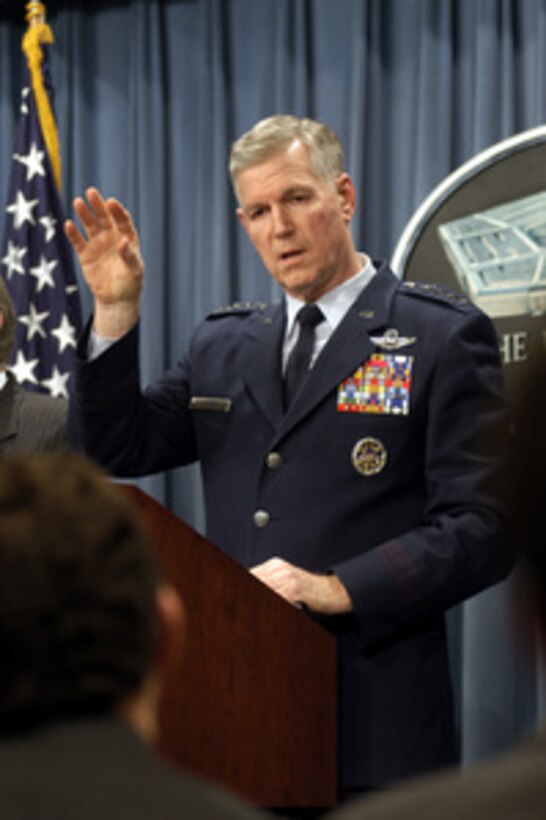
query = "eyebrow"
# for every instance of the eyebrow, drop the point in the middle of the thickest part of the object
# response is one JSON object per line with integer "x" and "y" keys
{"x": 296, "y": 189}
{"x": 286, "y": 194}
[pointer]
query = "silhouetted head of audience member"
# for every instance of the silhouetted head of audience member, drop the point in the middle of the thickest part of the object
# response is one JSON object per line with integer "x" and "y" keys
{"x": 83, "y": 611}
{"x": 7, "y": 324}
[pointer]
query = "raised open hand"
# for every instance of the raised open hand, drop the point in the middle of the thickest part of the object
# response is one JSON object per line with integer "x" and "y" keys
{"x": 109, "y": 254}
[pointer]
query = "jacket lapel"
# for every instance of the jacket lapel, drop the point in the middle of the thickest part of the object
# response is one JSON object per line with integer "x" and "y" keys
{"x": 349, "y": 346}
{"x": 261, "y": 362}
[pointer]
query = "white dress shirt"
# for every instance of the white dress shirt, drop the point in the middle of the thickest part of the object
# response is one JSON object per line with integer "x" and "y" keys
{"x": 334, "y": 305}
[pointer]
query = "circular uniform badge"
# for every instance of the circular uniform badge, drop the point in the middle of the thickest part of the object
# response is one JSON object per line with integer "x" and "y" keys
{"x": 369, "y": 456}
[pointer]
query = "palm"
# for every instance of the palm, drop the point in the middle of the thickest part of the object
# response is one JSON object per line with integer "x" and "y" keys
{"x": 109, "y": 253}
{"x": 108, "y": 273}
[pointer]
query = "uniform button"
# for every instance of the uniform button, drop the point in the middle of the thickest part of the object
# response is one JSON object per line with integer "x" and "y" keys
{"x": 261, "y": 518}
{"x": 273, "y": 460}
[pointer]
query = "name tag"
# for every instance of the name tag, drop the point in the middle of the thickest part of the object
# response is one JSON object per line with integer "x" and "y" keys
{"x": 217, "y": 404}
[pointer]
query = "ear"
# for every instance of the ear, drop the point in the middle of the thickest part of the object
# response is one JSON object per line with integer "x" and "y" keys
{"x": 242, "y": 217}
{"x": 347, "y": 195}
{"x": 171, "y": 630}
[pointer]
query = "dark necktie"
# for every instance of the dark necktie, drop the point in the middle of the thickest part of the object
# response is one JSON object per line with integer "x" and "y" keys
{"x": 309, "y": 316}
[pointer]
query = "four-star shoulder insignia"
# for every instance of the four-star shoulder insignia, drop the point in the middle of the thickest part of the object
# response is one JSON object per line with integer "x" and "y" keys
{"x": 437, "y": 293}
{"x": 238, "y": 308}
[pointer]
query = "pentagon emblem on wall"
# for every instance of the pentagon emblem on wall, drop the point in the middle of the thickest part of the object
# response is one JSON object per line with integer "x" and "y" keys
{"x": 482, "y": 232}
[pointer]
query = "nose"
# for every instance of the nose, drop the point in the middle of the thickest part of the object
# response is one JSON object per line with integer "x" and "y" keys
{"x": 281, "y": 222}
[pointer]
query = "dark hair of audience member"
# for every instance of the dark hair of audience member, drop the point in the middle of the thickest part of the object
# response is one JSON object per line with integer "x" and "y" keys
{"x": 77, "y": 587}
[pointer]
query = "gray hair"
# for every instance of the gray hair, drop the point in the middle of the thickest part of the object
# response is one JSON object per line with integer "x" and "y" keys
{"x": 271, "y": 135}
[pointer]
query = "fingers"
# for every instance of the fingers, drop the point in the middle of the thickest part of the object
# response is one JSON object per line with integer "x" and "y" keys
{"x": 122, "y": 218}
{"x": 282, "y": 577}
{"x": 319, "y": 593}
{"x": 93, "y": 214}
{"x": 98, "y": 203}
{"x": 74, "y": 236}
{"x": 271, "y": 568}
{"x": 92, "y": 218}
{"x": 96, "y": 214}
{"x": 130, "y": 256}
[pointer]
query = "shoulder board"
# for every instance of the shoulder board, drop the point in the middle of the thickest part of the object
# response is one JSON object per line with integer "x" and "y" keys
{"x": 437, "y": 293}
{"x": 238, "y": 309}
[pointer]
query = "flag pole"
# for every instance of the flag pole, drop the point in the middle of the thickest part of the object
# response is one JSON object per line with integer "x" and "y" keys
{"x": 38, "y": 34}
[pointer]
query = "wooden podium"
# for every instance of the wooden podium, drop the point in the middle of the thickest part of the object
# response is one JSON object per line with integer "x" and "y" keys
{"x": 252, "y": 704}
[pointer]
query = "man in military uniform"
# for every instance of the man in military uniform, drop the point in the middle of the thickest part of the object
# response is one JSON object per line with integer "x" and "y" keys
{"x": 348, "y": 452}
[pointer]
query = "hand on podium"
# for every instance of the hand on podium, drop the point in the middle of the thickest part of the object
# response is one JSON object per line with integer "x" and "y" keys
{"x": 324, "y": 594}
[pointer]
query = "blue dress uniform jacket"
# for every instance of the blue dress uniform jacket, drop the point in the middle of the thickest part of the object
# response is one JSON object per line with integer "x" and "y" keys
{"x": 399, "y": 500}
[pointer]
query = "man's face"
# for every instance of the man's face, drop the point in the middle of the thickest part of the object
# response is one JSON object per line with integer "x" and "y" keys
{"x": 299, "y": 222}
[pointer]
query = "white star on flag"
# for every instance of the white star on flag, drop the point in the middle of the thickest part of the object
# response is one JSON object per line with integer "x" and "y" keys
{"x": 24, "y": 105}
{"x": 23, "y": 369}
{"x": 13, "y": 260}
{"x": 34, "y": 322}
{"x": 49, "y": 224}
{"x": 22, "y": 210}
{"x": 65, "y": 334}
{"x": 33, "y": 161}
{"x": 58, "y": 383}
{"x": 43, "y": 273}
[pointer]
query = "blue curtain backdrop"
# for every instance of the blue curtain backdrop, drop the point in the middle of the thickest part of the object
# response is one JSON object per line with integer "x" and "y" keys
{"x": 150, "y": 96}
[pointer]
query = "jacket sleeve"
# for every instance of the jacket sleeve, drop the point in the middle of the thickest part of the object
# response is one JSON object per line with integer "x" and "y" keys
{"x": 130, "y": 432}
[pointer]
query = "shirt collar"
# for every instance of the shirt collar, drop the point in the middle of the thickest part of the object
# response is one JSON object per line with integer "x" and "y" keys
{"x": 3, "y": 379}
{"x": 336, "y": 302}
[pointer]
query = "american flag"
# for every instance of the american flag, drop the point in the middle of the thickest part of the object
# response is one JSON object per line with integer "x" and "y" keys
{"x": 36, "y": 262}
